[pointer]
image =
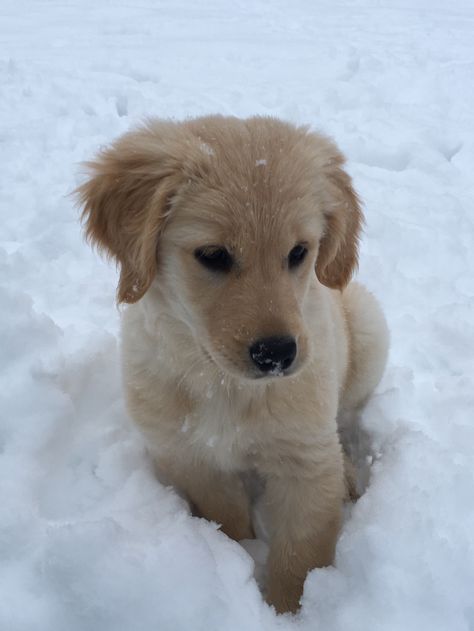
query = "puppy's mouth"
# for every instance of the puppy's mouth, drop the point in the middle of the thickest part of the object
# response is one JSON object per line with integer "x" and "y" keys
{"x": 276, "y": 370}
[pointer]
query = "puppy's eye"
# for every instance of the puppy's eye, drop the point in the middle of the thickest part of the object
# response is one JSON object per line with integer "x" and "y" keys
{"x": 297, "y": 256}
{"x": 215, "y": 259}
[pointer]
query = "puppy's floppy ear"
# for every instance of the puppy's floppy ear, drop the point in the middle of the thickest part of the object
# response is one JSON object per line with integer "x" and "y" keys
{"x": 338, "y": 250}
{"x": 126, "y": 201}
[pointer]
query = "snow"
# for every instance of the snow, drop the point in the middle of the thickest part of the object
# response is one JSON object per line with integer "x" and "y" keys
{"x": 89, "y": 539}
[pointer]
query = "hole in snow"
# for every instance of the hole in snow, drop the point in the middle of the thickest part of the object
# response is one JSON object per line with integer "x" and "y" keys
{"x": 121, "y": 104}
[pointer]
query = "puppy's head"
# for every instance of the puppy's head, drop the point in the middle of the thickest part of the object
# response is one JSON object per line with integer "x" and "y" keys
{"x": 233, "y": 220}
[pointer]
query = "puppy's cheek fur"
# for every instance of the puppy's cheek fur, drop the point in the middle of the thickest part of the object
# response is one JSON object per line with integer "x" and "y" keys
{"x": 173, "y": 283}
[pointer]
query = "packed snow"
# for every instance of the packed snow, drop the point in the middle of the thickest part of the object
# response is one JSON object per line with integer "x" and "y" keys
{"x": 89, "y": 539}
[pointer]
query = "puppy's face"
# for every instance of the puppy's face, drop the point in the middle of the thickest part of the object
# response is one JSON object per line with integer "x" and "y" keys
{"x": 232, "y": 220}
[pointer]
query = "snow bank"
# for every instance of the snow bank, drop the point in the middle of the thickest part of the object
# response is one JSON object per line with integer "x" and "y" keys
{"x": 88, "y": 538}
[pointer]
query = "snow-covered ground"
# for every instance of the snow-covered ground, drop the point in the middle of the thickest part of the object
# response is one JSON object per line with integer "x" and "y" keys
{"x": 89, "y": 540}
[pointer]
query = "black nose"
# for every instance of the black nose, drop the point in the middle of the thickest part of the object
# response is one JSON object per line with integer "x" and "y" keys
{"x": 273, "y": 354}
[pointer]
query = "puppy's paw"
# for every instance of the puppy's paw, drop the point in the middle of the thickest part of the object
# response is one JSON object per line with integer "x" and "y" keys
{"x": 284, "y": 592}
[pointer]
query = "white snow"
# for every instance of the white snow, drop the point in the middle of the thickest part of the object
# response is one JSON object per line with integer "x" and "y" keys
{"x": 89, "y": 539}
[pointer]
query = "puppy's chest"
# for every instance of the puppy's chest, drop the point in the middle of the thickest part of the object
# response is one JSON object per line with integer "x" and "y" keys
{"x": 228, "y": 435}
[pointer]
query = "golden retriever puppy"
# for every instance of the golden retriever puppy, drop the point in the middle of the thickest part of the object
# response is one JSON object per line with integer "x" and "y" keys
{"x": 236, "y": 241}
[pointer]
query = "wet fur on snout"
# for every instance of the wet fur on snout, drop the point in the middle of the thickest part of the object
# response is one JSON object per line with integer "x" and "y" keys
{"x": 257, "y": 188}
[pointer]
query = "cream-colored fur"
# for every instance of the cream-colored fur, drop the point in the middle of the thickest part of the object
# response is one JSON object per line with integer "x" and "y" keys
{"x": 256, "y": 187}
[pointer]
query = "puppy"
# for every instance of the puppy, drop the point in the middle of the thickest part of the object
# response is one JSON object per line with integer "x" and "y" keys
{"x": 236, "y": 241}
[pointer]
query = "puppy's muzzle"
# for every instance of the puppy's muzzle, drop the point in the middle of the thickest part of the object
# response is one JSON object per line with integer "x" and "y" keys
{"x": 273, "y": 355}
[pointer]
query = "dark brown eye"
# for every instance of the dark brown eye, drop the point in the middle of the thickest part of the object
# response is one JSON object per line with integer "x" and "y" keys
{"x": 297, "y": 256}
{"x": 215, "y": 259}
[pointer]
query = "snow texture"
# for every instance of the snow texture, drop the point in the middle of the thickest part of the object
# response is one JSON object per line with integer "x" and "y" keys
{"x": 89, "y": 540}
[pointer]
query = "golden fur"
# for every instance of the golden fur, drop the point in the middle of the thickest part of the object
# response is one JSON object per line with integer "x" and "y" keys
{"x": 257, "y": 187}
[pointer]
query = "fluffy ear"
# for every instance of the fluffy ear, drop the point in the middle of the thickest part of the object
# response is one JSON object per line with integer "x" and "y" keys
{"x": 338, "y": 250}
{"x": 126, "y": 201}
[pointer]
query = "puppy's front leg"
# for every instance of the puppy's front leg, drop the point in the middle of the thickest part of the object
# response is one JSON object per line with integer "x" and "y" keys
{"x": 305, "y": 508}
{"x": 216, "y": 495}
